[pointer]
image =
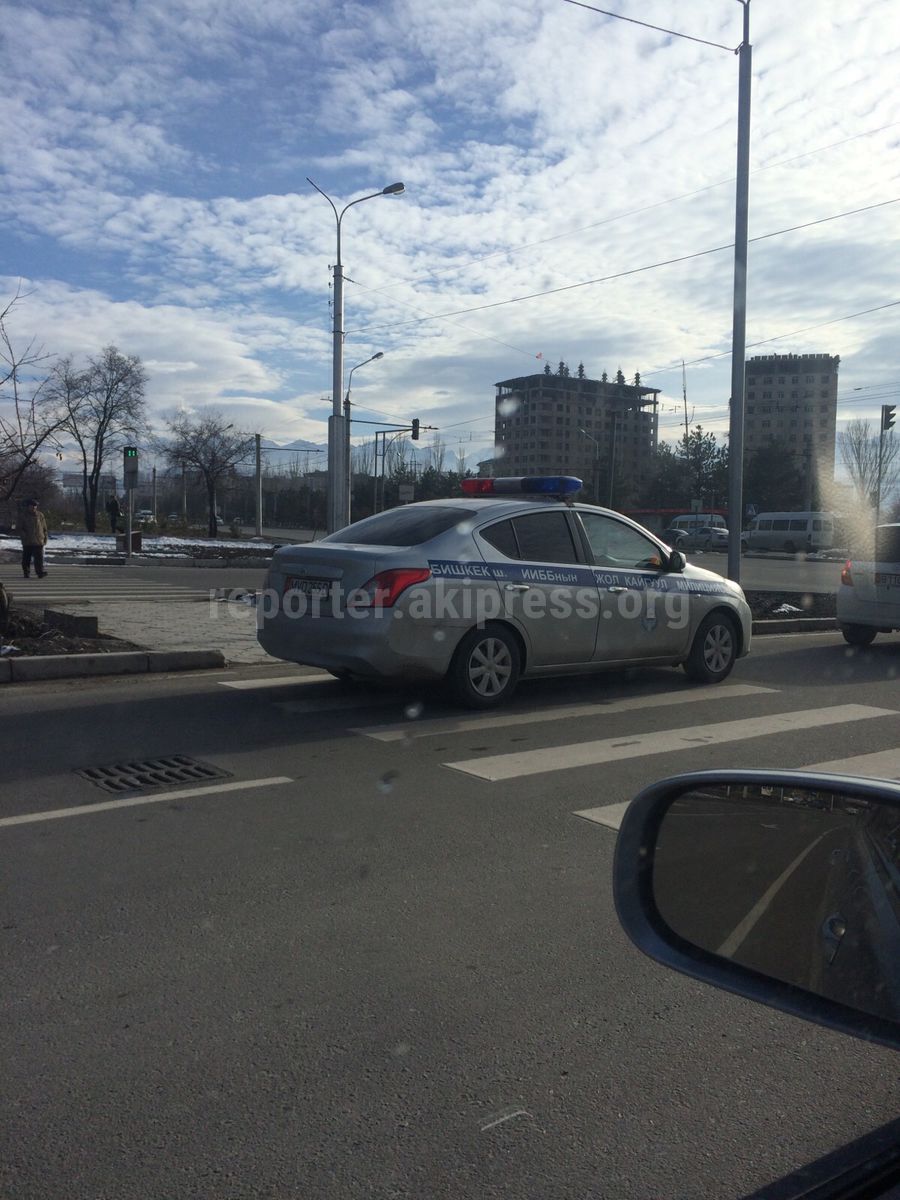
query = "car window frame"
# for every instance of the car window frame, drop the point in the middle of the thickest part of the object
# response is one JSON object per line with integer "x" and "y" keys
{"x": 664, "y": 551}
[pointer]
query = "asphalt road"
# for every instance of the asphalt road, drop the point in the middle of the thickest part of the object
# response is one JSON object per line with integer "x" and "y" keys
{"x": 368, "y": 970}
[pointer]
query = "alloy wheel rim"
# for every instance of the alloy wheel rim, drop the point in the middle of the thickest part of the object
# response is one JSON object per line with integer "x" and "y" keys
{"x": 718, "y": 648}
{"x": 490, "y": 667}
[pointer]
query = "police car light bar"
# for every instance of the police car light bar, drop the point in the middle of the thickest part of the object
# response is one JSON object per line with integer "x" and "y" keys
{"x": 544, "y": 485}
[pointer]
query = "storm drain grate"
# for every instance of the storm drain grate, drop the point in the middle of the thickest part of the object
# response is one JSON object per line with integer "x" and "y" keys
{"x": 130, "y": 777}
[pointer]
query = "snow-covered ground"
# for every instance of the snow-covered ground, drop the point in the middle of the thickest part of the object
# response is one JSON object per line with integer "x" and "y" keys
{"x": 159, "y": 547}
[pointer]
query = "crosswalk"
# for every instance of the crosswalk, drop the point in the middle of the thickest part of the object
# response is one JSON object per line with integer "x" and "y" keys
{"x": 75, "y": 584}
{"x": 664, "y": 748}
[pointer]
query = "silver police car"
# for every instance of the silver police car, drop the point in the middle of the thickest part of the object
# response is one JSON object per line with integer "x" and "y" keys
{"x": 515, "y": 579}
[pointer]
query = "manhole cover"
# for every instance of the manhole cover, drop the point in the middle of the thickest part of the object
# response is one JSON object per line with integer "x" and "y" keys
{"x": 148, "y": 773}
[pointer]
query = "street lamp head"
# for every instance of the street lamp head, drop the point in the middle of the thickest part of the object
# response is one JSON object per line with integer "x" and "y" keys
{"x": 380, "y": 354}
{"x": 393, "y": 189}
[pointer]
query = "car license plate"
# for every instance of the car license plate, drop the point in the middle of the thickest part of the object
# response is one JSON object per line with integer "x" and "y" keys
{"x": 317, "y": 589}
{"x": 884, "y": 580}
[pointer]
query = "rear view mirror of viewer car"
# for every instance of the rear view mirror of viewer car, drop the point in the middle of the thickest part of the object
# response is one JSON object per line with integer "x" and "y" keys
{"x": 781, "y": 887}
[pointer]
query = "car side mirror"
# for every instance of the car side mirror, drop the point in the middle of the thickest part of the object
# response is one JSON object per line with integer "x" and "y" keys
{"x": 781, "y": 887}
{"x": 677, "y": 562}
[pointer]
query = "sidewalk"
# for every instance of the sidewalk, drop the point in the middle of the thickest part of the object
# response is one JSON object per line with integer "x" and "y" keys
{"x": 229, "y": 626}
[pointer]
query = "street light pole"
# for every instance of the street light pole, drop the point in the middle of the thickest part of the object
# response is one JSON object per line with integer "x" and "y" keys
{"x": 739, "y": 326}
{"x": 337, "y": 436}
{"x": 595, "y": 480}
{"x": 348, "y": 465}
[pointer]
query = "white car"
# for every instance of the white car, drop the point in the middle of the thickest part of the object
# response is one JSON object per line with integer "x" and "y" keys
{"x": 868, "y": 599}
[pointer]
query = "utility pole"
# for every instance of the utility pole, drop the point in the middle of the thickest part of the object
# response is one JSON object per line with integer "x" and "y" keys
{"x": 739, "y": 325}
{"x": 153, "y": 506}
{"x": 259, "y": 505}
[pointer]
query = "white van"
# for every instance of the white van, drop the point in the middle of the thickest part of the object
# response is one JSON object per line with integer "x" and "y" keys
{"x": 792, "y": 532}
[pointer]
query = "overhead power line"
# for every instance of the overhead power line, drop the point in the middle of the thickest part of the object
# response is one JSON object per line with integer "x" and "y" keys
{"x": 569, "y": 287}
{"x": 766, "y": 341}
{"x": 630, "y": 212}
{"x": 659, "y": 29}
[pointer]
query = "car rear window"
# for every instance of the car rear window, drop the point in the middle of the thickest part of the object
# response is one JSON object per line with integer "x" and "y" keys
{"x": 502, "y": 537}
{"x": 401, "y": 526}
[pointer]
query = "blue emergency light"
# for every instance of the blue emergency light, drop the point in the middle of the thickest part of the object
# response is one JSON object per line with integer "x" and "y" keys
{"x": 521, "y": 485}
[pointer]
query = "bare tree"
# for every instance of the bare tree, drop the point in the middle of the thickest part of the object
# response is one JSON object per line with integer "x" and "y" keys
{"x": 208, "y": 446}
{"x": 858, "y": 445}
{"x": 27, "y": 426}
{"x": 437, "y": 454}
{"x": 99, "y": 407}
{"x": 364, "y": 458}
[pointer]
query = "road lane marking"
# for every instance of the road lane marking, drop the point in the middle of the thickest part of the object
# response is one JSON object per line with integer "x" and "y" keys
{"x": 130, "y": 801}
{"x": 495, "y": 768}
{"x": 277, "y": 681}
{"x": 744, "y": 928}
{"x": 607, "y": 814}
{"x": 883, "y": 764}
{"x": 439, "y": 726}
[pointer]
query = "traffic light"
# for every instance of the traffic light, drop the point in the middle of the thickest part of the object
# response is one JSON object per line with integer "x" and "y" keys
{"x": 415, "y": 429}
{"x": 130, "y": 468}
{"x": 888, "y": 412}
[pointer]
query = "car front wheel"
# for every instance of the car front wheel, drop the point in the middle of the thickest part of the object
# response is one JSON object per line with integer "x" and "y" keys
{"x": 714, "y": 649}
{"x": 485, "y": 668}
{"x": 858, "y": 635}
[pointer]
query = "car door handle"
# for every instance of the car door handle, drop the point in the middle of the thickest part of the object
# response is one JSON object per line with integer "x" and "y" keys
{"x": 617, "y": 589}
{"x": 517, "y": 587}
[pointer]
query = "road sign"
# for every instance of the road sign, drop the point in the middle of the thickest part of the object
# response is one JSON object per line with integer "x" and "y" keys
{"x": 130, "y": 467}
{"x": 406, "y": 493}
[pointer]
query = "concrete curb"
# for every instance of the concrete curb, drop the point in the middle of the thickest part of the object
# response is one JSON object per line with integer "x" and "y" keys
{"x": 796, "y": 625}
{"x": 127, "y": 662}
{"x": 161, "y": 561}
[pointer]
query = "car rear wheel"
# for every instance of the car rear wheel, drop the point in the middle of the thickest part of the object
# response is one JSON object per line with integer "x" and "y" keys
{"x": 485, "y": 668}
{"x": 858, "y": 635}
{"x": 714, "y": 650}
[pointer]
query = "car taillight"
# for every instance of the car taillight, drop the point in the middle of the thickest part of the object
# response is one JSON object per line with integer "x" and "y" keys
{"x": 383, "y": 589}
{"x": 847, "y": 575}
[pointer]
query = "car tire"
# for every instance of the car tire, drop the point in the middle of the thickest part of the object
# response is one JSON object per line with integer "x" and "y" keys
{"x": 707, "y": 545}
{"x": 858, "y": 635}
{"x": 679, "y": 544}
{"x": 714, "y": 649}
{"x": 486, "y": 666}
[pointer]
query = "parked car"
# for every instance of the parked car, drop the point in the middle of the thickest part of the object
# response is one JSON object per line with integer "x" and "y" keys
{"x": 144, "y": 516}
{"x": 868, "y": 599}
{"x": 508, "y": 581}
{"x": 703, "y": 537}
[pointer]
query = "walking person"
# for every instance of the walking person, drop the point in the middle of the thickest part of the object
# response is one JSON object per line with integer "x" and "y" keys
{"x": 33, "y": 532}
{"x": 113, "y": 512}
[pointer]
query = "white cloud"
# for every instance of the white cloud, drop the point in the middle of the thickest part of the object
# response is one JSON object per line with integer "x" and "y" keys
{"x": 154, "y": 191}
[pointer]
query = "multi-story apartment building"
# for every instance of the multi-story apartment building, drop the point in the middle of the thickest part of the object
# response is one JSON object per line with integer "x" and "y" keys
{"x": 792, "y": 403}
{"x": 570, "y": 425}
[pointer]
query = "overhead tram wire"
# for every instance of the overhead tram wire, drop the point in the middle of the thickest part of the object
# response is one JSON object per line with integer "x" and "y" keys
{"x": 765, "y": 341}
{"x": 622, "y": 274}
{"x": 631, "y": 212}
{"x": 659, "y": 28}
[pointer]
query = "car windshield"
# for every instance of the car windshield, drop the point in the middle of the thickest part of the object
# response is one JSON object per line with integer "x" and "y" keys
{"x": 403, "y": 526}
{"x": 378, "y": 380}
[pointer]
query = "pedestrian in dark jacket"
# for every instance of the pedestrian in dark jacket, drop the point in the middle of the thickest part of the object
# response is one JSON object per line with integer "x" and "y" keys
{"x": 33, "y": 532}
{"x": 114, "y": 512}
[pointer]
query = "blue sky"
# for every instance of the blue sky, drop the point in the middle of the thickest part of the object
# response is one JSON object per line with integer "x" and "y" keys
{"x": 154, "y": 196}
